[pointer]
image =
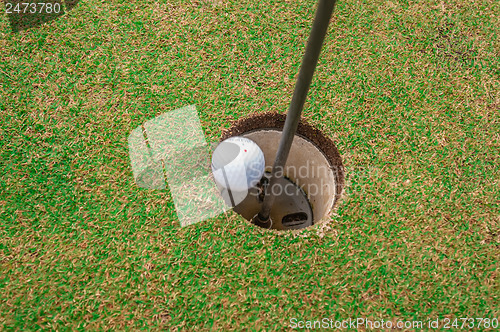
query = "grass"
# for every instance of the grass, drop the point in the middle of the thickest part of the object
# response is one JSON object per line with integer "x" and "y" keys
{"x": 408, "y": 91}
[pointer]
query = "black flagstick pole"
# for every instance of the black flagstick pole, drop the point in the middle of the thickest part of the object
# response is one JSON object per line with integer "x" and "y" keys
{"x": 313, "y": 49}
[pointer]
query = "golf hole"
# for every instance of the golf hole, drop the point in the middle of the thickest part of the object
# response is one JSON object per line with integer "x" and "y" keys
{"x": 313, "y": 176}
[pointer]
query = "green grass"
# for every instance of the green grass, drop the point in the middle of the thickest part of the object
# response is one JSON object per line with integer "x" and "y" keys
{"x": 408, "y": 90}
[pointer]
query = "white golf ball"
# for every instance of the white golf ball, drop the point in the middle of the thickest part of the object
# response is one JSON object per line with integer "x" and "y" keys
{"x": 238, "y": 164}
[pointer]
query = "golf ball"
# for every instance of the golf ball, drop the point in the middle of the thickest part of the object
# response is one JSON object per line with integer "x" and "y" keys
{"x": 238, "y": 164}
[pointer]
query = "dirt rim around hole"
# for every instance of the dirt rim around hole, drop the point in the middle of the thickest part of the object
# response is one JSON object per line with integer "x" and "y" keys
{"x": 273, "y": 120}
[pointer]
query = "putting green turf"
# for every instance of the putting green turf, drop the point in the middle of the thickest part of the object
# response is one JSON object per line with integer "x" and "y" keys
{"x": 408, "y": 91}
